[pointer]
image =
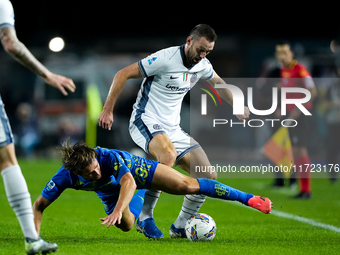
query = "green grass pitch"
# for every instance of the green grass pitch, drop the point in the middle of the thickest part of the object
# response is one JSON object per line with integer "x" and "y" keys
{"x": 73, "y": 222}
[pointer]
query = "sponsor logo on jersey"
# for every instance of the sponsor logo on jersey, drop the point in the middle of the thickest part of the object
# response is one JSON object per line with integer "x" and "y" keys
{"x": 178, "y": 89}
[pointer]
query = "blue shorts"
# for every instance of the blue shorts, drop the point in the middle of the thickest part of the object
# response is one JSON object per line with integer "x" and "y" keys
{"x": 143, "y": 172}
{"x": 6, "y": 136}
{"x": 110, "y": 203}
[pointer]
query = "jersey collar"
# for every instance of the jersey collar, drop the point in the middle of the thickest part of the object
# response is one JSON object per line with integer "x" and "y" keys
{"x": 292, "y": 64}
{"x": 184, "y": 59}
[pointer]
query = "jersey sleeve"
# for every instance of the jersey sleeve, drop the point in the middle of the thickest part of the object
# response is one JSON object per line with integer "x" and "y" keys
{"x": 114, "y": 164}
{"x": 208, "y": 72}
{"x": 59, "y": 182}
{"x": 121, "y": 167}
{"x": 6, "y": 14}
{"x": 155, "y": 64}
{"x": 307, "y": 78}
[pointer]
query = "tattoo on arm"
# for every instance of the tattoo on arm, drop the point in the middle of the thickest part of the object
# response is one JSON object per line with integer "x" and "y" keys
{"x": 19, "y": 51}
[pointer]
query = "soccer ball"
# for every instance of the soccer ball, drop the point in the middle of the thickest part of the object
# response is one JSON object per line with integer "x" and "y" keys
{"x": 200, "y": 227}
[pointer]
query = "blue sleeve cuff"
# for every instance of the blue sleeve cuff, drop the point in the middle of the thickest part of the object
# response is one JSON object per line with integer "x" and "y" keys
{"x": 6, "y": 25}
{"x": 141, "y": 68}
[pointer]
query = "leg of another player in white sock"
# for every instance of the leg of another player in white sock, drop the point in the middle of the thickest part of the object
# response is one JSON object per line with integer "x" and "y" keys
{"x": 192, "y": 203}
{"x": 150, "y": 201}
{"x": 19, "y": 199}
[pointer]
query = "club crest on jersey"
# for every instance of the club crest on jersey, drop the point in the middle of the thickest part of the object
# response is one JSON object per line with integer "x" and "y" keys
{"x": 157, "y": 126}
{"x": 151, "y": 60}
{"x": 193, "y": 78}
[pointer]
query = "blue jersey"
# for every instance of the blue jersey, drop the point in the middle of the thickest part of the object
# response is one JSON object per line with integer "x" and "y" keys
{"x": 113, "y": 164}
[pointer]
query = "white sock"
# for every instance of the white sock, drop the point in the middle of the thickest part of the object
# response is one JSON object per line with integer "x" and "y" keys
{"x": 191, "y": 205}
{"x": 19, "y": 199}
{"x": 150, "y": 200}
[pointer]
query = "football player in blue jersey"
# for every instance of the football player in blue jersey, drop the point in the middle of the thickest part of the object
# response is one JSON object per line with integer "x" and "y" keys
{"x": 115, "y": 175}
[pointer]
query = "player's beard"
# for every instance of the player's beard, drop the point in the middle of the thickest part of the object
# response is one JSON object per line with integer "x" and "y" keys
{"x": 190, "y": 58}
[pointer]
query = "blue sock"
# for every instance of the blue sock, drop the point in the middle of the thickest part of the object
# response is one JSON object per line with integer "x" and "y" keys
{"x": 137, "y": 202}
{"x": 216, "y": 189}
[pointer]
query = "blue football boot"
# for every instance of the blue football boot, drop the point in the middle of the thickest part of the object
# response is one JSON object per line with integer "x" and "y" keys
{"x": 177, "y": 232}
{"x": 149, "y": 228}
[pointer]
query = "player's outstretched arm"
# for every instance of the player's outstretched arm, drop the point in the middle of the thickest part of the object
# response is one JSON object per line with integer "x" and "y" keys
{"x": 127, "y": 189}
{"x": 224, "y": 93}
{"x": 105, "y": 119}
{"x": 227, "y": 95}
{"x": 20, "y": 53}
{"x": 38, "y": 208}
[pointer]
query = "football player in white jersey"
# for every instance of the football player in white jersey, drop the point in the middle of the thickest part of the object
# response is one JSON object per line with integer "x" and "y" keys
{"x": 154, "y": 125}
{"x": 15, "y": 184}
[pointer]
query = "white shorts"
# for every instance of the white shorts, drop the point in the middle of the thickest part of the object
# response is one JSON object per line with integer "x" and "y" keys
{"x": 143, "y": 129}
{"x": 6, "y": 136}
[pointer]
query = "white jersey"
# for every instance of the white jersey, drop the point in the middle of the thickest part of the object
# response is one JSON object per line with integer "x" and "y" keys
{"x": 166, "y": 81}
{"x": 6, "y": 14}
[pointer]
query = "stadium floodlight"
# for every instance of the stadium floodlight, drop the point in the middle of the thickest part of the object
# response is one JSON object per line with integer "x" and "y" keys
{"x": 334, "y": 45}
{"x": 56, "y": 44}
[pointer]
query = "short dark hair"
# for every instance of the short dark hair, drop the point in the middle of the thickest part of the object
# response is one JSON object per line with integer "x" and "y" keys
{"x": 77, "y": 157}
{"x": 284, "y": 42}
{"x": 203, "y": 30}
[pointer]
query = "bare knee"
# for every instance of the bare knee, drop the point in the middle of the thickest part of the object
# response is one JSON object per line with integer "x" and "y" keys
{"x": 168, "y": 157}
{"x": 162, "y": 149}
{"x": 187, "y": 186}
{"x": 6, "y": 164}
{"x": 7, "y": 156}
{"x": 210, "y": 174}
{"x": 125, "y": 226}
{"x": 213, "y": 175}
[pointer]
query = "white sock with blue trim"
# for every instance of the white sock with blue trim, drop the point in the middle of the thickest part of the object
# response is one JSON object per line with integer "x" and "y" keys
{"x": 191, "y": 205}
{"x": 150, "y": 201}
{"x": 20, "y": 199}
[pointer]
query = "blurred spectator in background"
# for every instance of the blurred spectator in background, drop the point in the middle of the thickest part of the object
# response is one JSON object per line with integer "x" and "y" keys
{"x": 332, "y": 118}
{"x": 25, "y": 130}
{"x": 68, "y": 130}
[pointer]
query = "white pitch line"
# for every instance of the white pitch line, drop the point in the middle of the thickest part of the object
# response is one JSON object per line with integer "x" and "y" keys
{"x": 305, "y": 220}
{"x": 293, "y": 217}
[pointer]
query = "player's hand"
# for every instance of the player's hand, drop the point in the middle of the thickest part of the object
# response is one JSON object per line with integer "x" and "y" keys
{"x": 60, "y": 82}
{"x": 112, "y": 219}
{"x": 243, "y": 117}
{"x": 105, "y": 119}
